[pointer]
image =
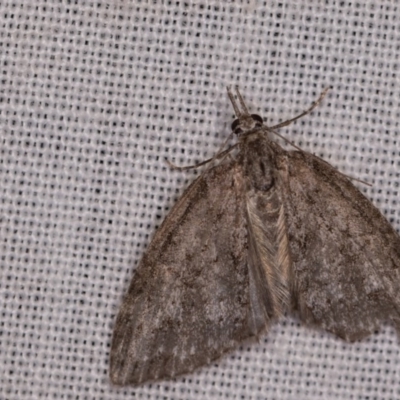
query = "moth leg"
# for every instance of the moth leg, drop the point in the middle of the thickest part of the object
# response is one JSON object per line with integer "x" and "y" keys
{"x": 186, "y": 167}
{"x": 315, "y": 104}
{"x": 216, "y": 157}
{"x": 352, "y": 178}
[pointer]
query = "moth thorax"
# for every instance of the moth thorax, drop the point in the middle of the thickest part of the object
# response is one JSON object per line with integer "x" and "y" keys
{"x": 259, "y": 163}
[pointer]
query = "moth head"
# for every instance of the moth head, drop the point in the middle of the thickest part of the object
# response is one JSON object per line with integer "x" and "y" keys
{"x": 245, "y": 121}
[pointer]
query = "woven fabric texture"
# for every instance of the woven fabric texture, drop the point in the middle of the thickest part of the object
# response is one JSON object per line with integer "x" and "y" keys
{"x": 95, "y": 94}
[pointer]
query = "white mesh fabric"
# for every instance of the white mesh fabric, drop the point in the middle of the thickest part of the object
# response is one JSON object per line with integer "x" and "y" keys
{"x": 95, "y": 95}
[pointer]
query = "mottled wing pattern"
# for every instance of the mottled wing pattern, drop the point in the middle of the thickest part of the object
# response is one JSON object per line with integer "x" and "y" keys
{"x": 346, "y": 256}
{"x": 189, "y": 300}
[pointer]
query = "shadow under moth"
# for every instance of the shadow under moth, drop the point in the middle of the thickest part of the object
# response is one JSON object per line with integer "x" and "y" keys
{"x": 264, "y": 232}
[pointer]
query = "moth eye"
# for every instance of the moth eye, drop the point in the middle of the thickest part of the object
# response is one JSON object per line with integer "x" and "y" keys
{"x": 258, "y": 119}
{"x": 235, "y": 126}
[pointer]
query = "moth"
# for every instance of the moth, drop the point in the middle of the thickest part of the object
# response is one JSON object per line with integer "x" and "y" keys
{"x": 262, "y": 233}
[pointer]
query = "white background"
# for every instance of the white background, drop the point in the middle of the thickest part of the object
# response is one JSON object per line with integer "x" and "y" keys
{"x": 94, "y": 96}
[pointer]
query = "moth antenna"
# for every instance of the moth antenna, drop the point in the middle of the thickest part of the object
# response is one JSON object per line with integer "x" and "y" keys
{"x": 315, "y": 104}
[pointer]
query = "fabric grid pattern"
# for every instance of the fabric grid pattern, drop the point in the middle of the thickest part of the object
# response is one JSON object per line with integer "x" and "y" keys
{"x": 95, "y": 95}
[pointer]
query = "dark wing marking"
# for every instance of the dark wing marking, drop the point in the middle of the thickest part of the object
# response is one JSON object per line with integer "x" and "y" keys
{"x": 346, "y": 256}
{"x": 189, "y": 301}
